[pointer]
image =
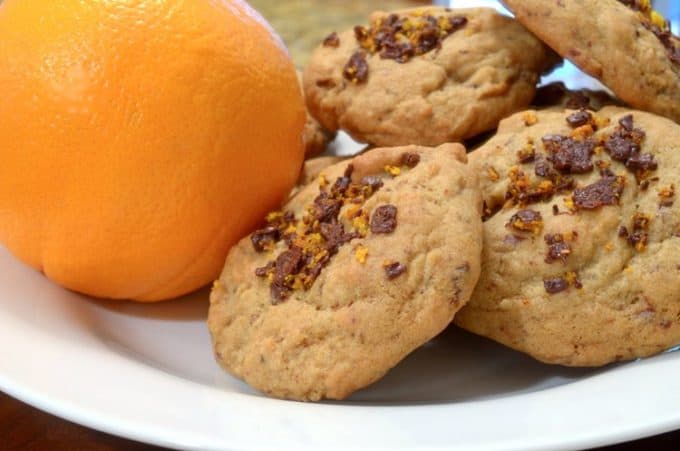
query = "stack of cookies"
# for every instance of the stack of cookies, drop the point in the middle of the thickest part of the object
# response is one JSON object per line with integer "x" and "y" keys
{"x": 556, "y": 232}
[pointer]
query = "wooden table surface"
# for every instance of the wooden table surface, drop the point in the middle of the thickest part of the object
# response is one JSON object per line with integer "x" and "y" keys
{"x": 23, "y": 428}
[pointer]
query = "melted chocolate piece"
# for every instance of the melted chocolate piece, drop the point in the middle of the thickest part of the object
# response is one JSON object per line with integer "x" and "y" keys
{"x": 579, "y": 118}
{"x": 394, "y": 270}
{"x": 356, "y": 69}
{"x": 568, "y": 155}
{"x": 555, "y": 285}
{"x": 558, "y": 249}
{"x": 264, "y": 238}
{"x": 384, "y": 219}
{"x": 410, "y": 159}
{"x": 605, "y": 191}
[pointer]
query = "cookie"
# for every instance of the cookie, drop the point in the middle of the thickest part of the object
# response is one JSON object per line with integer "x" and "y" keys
{"x": 623, "y": 43}
{"x": 424, "y": 76}
{"x": 313, "y": 168}
{"x": 556, "y": 94}
{"x": 314, "y": 136}
{"x": 359, "y": 269}
{"x": 581, "y": 260}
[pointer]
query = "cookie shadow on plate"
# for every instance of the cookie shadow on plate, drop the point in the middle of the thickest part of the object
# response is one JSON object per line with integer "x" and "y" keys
{"x": 458, "y": 366}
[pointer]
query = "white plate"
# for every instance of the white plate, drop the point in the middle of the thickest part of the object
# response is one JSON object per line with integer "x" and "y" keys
{"x": 146, "y": 372}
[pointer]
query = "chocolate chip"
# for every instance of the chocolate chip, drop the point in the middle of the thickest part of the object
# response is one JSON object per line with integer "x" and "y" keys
{"x": 335, "y": 236}
{"x": 288, "y": 263}
{"x": 340, "y": 186}
{"x": 641, "y": 162}
{"x": 555, "y": 285}
{"x": 623, "y": 232}
{"x": 410, "y": 159}
{"x": 428, "y": 39}
{"x": 627, "y": 122}
{"x": 579, "y": 118}
{"x": 639, "y": 234}
{"x": 361, "y": 33}
{"x": 356, "y": 69}
{"x": 326, "y": 209}
{"x": 401, "y": 38}
{"x": 620, "y": 148}
{"x": 332, "y": 40}
{"x": 264, "y": 238}
{"x": 542, "y": 168}
{"x": 526, "y": 155}
{"x": 568, "y": 155}
{"x": 558, "y": 249}
{"x": 398, "y": 51}
{"x": 394, "y": 270}
{"x": 458, "y": 22}
{"x": 373, "y": 181}
{"x": 605, "y": 191}
{"x": 384, "y": 219}
{"x": 526, "y": 221}
{"x": 279, "y": 292}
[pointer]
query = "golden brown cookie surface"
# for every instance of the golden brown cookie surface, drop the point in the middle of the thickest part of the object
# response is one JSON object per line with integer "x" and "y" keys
{"x": 581, "y": 260}
{"x": 362, "y": 267}
{"x": 424, "y": 76}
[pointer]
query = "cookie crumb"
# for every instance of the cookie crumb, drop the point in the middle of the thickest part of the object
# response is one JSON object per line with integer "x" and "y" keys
{"x": 492, "y": 174}
{"x": 526, "y": 154}
{"x": 392, "y": 170}
{"x": 530, "y": 118}
{"x": 639, "y": 231}
{"x": 666, "y": 196}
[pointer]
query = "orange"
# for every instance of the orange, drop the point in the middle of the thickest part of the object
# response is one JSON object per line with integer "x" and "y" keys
{"x": 140, "y": 139}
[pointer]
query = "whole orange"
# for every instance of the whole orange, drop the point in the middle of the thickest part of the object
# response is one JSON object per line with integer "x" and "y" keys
{"x": 140, "y": 139}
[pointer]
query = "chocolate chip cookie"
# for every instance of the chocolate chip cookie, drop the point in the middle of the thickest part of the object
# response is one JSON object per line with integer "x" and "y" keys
{"x": 624, "y": 43}
{"x": 424, "y": 76}
{"x": 581, "y": 260}
{"x": 360, "y": 268}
